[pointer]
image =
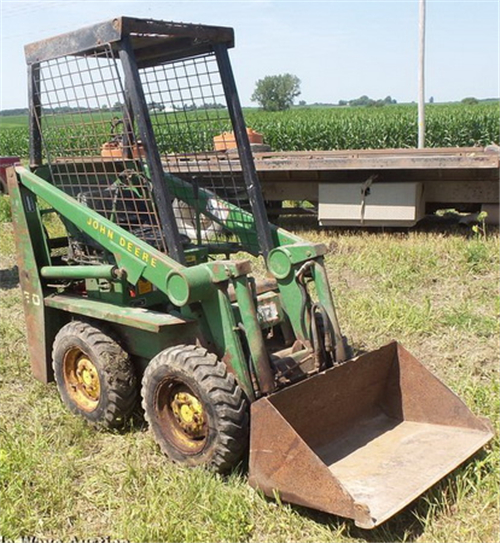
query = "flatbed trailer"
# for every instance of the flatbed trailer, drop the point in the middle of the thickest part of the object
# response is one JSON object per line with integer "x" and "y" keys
{"x": 383, "y": 187}
{"x": 368, "y": 187}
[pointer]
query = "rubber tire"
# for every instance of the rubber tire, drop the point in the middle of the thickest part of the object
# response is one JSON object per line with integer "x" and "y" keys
{"x": 222, "y": 399}
{"x": 119, "y": 390}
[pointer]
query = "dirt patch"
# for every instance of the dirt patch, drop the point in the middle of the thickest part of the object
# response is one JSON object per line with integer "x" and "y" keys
{"x": 9, "y": 277}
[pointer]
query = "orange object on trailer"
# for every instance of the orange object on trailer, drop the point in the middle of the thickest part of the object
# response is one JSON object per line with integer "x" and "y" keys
{"x": 227, "y": 140}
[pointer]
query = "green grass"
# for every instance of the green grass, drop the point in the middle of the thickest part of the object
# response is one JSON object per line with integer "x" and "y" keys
{"x": 13, "y": 121}
{"x": 435, "y": 292}
{"x": 5, "y": 211}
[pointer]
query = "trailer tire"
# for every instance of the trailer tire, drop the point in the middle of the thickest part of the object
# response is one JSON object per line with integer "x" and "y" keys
{"x": 195, "y": 408}
{"x": 94, "y": 375}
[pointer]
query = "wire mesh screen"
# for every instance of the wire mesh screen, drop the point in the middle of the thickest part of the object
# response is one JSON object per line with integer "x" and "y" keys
{"x": 190, "y": 119}
{"x": 89, "y": 142}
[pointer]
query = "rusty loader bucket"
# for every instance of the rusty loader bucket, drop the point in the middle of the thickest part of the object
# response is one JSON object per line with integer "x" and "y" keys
{"x": 363, "y": 439}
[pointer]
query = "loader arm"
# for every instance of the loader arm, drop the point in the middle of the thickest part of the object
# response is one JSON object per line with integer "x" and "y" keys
{"x": 236, "y": 220}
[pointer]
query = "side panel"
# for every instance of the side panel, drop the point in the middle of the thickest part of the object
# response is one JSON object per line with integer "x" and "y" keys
{"x": 41, "y": 323}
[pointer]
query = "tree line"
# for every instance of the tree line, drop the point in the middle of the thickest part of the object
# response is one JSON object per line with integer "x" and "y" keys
{"x": 278, "y": 92}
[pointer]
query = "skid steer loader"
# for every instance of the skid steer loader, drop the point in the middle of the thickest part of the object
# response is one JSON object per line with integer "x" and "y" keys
{"x": 134, "y": 284}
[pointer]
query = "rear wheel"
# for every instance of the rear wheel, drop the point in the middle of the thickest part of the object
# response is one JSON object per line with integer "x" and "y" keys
{"x": 195, "y": 408}
{"x": 94, "y": 375}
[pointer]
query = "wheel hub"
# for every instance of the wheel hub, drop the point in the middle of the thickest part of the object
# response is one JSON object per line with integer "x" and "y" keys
{"x": 188, "y": 412}
{"x": 82, "y": 380}
{"x": 87, "y": 377}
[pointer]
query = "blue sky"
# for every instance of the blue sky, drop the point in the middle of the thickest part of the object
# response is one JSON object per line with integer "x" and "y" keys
{"x": 339, "y": 49}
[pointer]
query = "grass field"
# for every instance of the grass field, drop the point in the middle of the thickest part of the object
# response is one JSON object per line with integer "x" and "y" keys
{"x": 437, "y": 292}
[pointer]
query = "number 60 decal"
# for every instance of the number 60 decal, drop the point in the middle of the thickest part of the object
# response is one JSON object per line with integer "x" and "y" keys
{"x": 31, "y": 298}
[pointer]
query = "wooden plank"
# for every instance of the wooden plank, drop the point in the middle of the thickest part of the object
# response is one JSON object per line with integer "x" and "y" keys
{"x": 380, "y": 159}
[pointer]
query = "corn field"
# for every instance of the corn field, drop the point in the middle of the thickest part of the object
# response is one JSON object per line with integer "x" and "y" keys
{"x": 377, "y": 128}
{"x": 305, "y": 129}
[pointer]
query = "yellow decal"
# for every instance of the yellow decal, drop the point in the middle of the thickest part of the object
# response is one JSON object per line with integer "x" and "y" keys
{"x": 144, "y": 286}
{"x": 131, "y": 247}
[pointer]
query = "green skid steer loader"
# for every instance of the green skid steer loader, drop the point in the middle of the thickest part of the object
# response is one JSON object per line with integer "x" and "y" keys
{"x": 134, "y": 284}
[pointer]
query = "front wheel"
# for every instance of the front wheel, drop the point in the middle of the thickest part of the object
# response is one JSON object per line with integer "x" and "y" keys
{"x": 195, "y": 408}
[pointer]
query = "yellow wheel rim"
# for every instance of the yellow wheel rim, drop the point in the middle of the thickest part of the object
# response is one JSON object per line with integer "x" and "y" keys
{"x": 82, "y": 380}
{"x": 182, "y": 417}
{"x": 188, "y": 412}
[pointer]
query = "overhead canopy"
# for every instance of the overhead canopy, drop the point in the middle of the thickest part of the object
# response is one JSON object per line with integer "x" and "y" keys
{"x": 153, "y": 41}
